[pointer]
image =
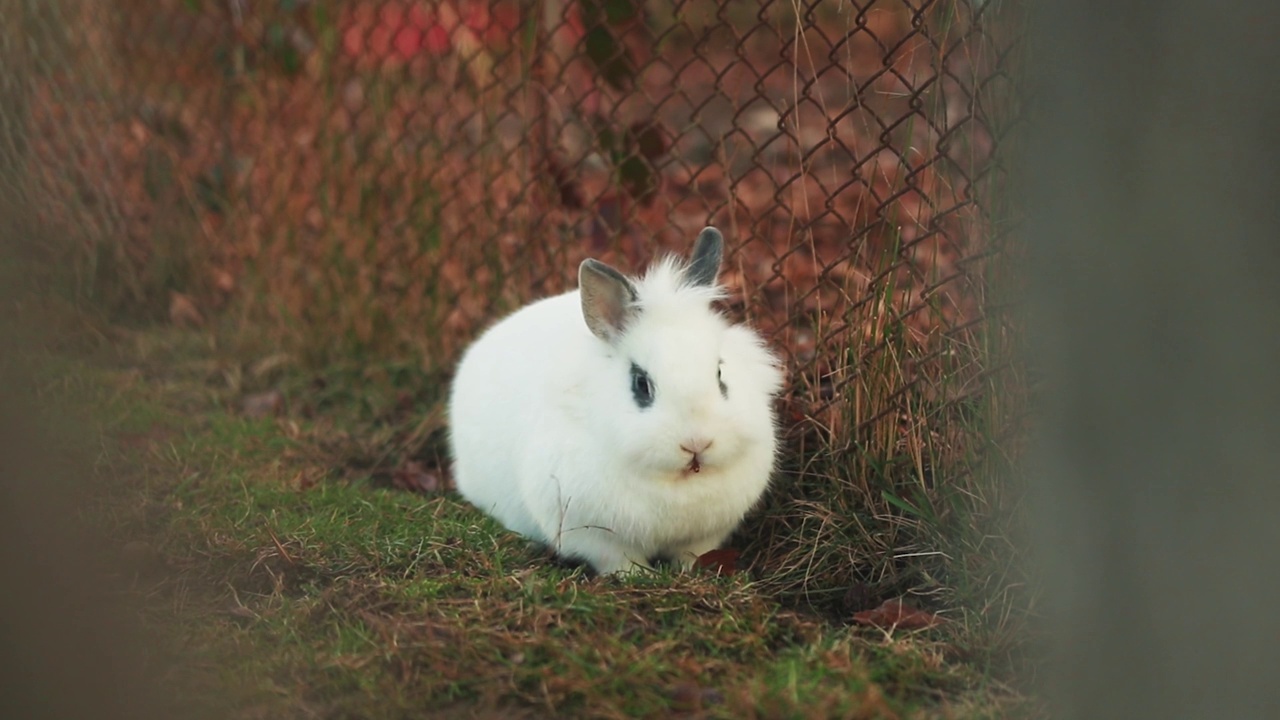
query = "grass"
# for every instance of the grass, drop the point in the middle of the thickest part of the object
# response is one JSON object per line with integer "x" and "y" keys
{"x": 294, "y": 586}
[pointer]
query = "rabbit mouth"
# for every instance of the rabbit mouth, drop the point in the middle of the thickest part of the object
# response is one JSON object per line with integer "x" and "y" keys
{"x": 695, "y": 464}
{"x": 696, "y": 447}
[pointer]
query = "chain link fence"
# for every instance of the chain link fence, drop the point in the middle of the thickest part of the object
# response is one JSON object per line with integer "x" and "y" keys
{"x": 392, "y": 174}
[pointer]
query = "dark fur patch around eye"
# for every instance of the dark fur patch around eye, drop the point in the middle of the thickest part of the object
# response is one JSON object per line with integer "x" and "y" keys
{"x": 641, "y": 387}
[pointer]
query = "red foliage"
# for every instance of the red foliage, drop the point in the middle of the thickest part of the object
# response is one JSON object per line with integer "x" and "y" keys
{"x": 723, "y": 561}
{"x": 405, "y": 29}
{"x": 895, "y": 614}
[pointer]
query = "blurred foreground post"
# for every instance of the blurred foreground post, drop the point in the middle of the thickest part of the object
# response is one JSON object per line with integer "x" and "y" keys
{"x": 68, "y": 645}
{"x": 1156, "y": 233}
{"x": 13, "y": 103}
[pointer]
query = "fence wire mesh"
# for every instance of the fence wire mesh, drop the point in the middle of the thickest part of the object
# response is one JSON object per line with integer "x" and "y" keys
{"x": 398, "y": 172}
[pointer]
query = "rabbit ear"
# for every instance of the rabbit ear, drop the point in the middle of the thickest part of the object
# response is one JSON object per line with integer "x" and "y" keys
{"x": 608, "y": 299}
{"x": 708, "y": 249}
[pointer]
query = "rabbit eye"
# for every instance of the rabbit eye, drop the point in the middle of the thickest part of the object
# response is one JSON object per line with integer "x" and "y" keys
{"x": 641, "y": 386}
{"x": 724, "y": 389}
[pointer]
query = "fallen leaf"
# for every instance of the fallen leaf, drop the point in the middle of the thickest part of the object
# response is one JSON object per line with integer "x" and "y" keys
{"x": 723, "y": 561}
{"x": 353, "y": 40}
{"x": 690, "y": 697}
{"x": 897, "y": 614}
{"x": 407, "y": 41}
{"x": 260, "y": 405}
{"x": 308, "y": 478}
{"x": 224, "y": 281}
{"x": 412, "y": 476}
{"x": 183, "y": 311}
{"x": 686, "y": 697}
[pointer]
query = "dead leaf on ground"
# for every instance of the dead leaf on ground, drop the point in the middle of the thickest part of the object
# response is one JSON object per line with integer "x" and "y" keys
{"x": 897, "y": 614}
{"x": 415, "y": 477}
{"x": 260, "y": 405}
{"x": 688, "y": 697}
{"x": 308, "y": 478}
{"x": 183, "y": 311}
{"x": 723, "y": 561}
{"x": 224, "y": 281}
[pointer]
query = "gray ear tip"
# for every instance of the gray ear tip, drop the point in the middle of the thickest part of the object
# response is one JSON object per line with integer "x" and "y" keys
{"x": 602, "y": 273}
{"x": 708, "y": 250}
{"x": 591, "y": 266}
{"x": 710, "y": 242}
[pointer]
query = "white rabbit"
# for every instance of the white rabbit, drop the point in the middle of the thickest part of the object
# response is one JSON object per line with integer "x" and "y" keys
{"x": 622, "y": 422}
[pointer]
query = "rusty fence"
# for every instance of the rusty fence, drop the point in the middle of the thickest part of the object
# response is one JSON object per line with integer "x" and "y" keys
{"x": 391, "y": 174}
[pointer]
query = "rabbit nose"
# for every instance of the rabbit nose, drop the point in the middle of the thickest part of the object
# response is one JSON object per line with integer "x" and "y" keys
{"x": 696, "y": 446}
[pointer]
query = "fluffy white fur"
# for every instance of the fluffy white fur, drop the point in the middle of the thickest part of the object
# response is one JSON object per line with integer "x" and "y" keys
{"x": 547, "y": 437}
